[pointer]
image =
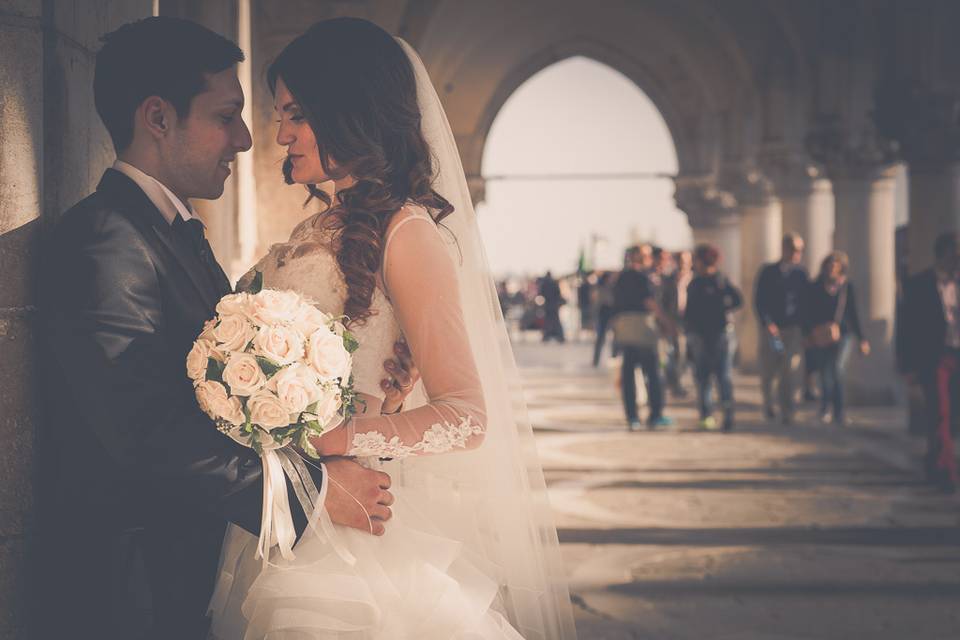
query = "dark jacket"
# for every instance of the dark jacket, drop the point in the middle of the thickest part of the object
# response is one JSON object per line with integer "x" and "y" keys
{"x": 820, "y": 307}
{"x": 922, "y": 331}
{"x": 132, "y": 473}
{"x": 632, "y": 291}
{"x": 710, "y": 300}
{"x": 779, "y": 295}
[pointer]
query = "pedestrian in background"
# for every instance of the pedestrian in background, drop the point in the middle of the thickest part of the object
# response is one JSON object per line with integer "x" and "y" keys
{"x": 637, "y": 321}
{"x": 674, "y": 305}
{"x": 708, "y": 318}
{"x": 781, "y": 287}
{"x": 549, "y": 290}
{"x": 930, "y": 354}
{"x": 831, "y": 323}
{"x": 604, "y": 309}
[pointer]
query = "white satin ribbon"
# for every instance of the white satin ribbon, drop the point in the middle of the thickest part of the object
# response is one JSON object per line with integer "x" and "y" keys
{"x": 276, "y": 522}
{"x": 276, "y": 525}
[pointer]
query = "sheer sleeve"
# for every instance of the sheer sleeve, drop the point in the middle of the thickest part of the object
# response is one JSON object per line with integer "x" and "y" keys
{"x": 422, "y": 284}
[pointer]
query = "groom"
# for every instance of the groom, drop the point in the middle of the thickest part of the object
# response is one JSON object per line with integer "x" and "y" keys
{"x": 136, "y": 485}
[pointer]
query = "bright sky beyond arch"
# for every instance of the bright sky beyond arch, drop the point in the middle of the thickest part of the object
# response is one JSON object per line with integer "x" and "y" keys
{"x": 577, "y": 116}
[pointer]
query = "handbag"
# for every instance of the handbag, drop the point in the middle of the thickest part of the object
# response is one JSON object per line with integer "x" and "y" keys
{"x": 828, "y": 334}
{"x": 635, "y": 329}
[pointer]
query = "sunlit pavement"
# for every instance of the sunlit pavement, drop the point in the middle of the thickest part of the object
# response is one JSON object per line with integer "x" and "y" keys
{"x": 770, "y": 532}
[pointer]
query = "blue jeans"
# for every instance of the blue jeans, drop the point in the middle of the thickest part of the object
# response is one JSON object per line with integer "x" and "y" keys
{"x": 832, "y": 361}
{"x": 713, "y": 358}
{"x": 646, "y": 358}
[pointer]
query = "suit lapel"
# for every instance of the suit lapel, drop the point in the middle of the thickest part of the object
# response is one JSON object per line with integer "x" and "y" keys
{"x": 134, "y": 201}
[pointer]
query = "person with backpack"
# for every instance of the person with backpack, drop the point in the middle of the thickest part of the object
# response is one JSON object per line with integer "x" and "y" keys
{"x": 711, "y": 300}
{"x": 829, "y": 318}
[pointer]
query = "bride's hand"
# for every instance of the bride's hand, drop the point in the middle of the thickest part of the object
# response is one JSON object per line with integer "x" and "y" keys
{"x": 331, "y": 443}
{"x": 402, "y": 374}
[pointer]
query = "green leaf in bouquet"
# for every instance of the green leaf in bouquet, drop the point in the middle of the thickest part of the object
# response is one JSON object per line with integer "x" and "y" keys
{"x": 215, "y": 370}
{"x": 307, "y": 446}
{"x": 247, "y": 424}
{"x": 312, "y": 408}
{"x": 350, "y": 343}
{"x": 268, "y": 367}
{"x": 255, "y": 442}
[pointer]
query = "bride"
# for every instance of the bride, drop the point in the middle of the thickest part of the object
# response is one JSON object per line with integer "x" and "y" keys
{"x": 471, "y": 551}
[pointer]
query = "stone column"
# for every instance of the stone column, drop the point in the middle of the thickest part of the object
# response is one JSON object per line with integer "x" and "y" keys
{"x": 923, "y": 120}
{"x": 21, "y": 162}
{"x": 761, "y": 229}
{"x": 865, "y": 194}
{"x": 934, "y": 208}
{"x": 806, "y": 196}
{"x": 714, "y": 219}
{"x": 53, "y": 150}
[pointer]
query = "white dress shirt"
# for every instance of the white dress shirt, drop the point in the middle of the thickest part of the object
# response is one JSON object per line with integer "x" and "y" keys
{"x": 170, "y": 205}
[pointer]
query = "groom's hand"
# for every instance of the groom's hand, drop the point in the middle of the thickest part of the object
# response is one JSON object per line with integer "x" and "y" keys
{"x": 351, "y": 486}
{"x": 402, "y": 374}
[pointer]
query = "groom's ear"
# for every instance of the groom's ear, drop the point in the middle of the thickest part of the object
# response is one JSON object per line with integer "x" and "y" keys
{"x": 156, "y": 116}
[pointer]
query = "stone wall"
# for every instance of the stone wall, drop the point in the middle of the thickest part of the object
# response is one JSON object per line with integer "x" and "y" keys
{"x": 52, "y": 152}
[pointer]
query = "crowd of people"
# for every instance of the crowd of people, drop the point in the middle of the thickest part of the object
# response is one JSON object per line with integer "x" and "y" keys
{"x": 673, "y": 313}
{"x": 671, "y": 316}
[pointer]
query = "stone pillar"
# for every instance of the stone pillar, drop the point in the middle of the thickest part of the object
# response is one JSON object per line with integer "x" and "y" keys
{"x": 807, "y": 199}
{"x": 714, "y": 219}
{"x": 761, "y": 229}
{"x": 865, "y": 230}
{"x": 21, "y": 162}
{"x": 934, "y": 208}
{"x": 923, "y": 120}
{"x": 53, "y": 150}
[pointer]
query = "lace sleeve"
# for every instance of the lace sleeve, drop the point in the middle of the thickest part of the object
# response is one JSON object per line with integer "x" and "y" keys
{"x": 420, "y": 277}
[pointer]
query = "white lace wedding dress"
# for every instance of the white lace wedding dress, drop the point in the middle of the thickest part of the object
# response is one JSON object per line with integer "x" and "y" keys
{"x": 414, "y": 582}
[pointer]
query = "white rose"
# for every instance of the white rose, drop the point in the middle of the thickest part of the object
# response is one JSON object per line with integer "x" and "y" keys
{"x": 296, "y": 387}
{"x": 328, "y": 406}
{"x": 271, "y": 307}
{"x": 327, "y": 355}
{"x": 228, "y": 409}
{"x": 210, "y": 393}
{"x": 235, "y": 304}
{"x": 280, "y": 343}
{"x": 233, "y": 332}
{"x": 197, "y": 360}
{"x": 267, "y": 411}
{"x": 310, "y": 319}
{"x": 243, "y": 374}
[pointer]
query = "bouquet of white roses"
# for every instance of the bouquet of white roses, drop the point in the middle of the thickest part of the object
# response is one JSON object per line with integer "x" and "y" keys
{"x": 271, "y": 369}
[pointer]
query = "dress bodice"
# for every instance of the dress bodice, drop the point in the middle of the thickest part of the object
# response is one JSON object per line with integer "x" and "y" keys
{"x": 307, "y": 264}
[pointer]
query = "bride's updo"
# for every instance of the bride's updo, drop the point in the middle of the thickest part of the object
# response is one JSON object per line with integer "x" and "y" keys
{"x": 357, "y": 90}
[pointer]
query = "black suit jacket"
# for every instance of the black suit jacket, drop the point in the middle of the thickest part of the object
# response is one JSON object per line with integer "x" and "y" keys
{"x": 136, "y": 485}
{"x": 922, "y": 330}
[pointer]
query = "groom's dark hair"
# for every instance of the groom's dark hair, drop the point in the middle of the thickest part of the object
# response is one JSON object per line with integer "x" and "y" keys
{"x": 159, "y": 56}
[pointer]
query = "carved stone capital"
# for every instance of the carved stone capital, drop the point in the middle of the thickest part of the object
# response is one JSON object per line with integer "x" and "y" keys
{"x": 705, "y": 204}
{"x": 846, "y": 152}
{"x": 926, "y": 123}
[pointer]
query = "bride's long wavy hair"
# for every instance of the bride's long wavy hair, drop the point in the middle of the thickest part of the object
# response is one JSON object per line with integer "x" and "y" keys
{"x": 356, "y": 88}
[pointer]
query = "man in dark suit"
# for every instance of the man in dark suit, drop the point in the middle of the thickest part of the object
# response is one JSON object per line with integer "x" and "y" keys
{"x": 136, "y": 486}
{"x": 929, "y": 350}
{"x": 779, "y": 292}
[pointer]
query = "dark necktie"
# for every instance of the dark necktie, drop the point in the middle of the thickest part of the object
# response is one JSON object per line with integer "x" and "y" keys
{"x": 192, "y": 231}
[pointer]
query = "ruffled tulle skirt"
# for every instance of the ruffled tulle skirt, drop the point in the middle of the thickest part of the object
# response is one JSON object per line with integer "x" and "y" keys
{"x": 410, "y": 583}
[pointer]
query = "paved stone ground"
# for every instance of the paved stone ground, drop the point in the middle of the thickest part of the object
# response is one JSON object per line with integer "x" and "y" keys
{"x": 768, "y": 533}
